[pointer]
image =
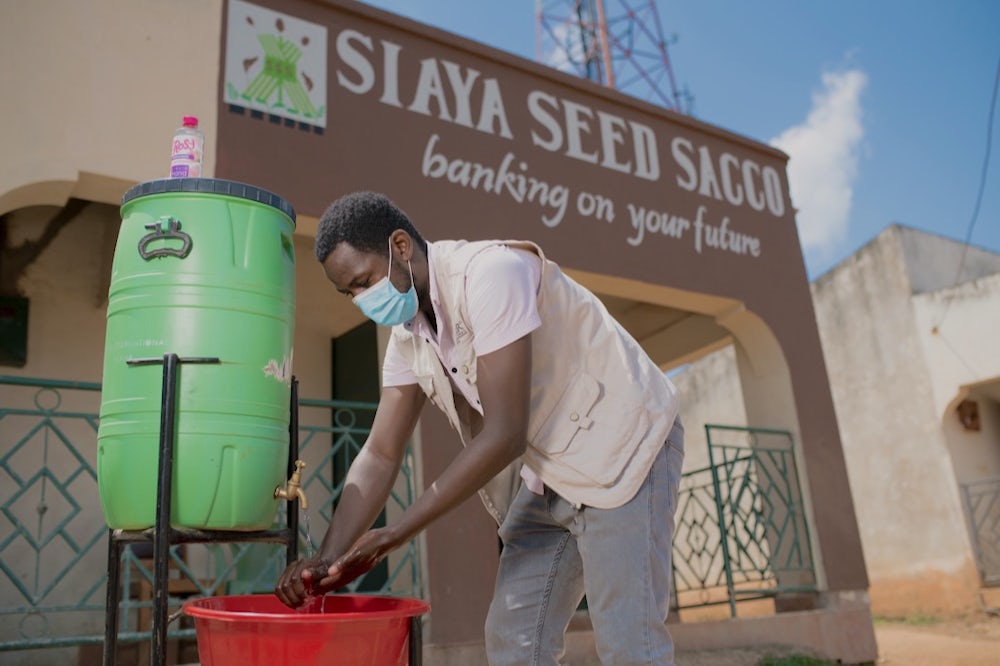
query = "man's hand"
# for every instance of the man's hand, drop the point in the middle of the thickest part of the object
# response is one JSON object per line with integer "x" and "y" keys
{"x": 299, "y": 581}
{"x": 362, "y": 557}
{"x": 316, "y": 576}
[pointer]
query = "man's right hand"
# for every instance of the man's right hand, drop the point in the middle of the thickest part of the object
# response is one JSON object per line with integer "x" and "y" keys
{"x": 299, "y": 581}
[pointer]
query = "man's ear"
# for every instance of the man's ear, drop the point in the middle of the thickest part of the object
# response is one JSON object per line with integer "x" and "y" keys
{"x": 402, "y": 244}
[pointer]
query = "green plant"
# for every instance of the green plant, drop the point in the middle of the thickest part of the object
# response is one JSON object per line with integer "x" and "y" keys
{"x": 917, "y": 620}
{"x": 794, "y": 660}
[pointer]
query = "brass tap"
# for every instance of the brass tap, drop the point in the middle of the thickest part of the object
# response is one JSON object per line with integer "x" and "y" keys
{"x": 293, "y": 490}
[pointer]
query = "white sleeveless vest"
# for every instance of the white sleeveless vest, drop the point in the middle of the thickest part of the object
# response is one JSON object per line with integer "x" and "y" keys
{"x": 600, "y": 408}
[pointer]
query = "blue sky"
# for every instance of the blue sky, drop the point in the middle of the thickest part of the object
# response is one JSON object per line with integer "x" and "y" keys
{"x": 882, "y": 105}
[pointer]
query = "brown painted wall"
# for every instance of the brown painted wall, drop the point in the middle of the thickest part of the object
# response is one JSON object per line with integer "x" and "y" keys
{"x": 462, "y": 549}
{"x": 395, "y": 123}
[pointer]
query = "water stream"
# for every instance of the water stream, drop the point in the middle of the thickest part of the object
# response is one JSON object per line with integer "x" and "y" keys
{"x": 312, "y": 602}
{"x": 311, "y": 550}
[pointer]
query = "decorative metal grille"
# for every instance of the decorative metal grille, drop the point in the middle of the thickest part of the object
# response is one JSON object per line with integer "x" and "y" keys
{"x": 51, "y": 543}
{"x": 741, "y": 527}
{"x": 982, "y": 502}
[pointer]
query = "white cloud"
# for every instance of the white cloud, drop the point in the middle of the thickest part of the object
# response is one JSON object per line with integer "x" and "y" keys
{"x": 823, "y": 160}
{"x": 563, "y": 48}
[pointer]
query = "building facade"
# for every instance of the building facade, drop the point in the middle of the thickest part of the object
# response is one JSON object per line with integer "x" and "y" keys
{"x": 685, "y": 230}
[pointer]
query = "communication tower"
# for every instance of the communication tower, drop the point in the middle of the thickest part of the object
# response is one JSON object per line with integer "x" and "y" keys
{"x": 619, "y": 44}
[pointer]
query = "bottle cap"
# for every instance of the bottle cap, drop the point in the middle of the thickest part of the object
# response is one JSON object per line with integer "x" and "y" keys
{"x": 190, "y": 121}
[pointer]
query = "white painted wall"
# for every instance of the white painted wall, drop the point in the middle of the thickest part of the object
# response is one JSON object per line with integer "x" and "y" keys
{"x": 100, "y": 87}
{"x": 710, "y": 392}
{"x": 897, "y": 459}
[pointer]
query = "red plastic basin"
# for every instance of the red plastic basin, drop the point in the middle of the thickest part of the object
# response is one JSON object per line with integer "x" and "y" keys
{"x": 342, "y": 629}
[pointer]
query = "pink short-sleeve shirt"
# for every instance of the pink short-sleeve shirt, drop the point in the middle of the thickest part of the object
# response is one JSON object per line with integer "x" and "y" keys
{"x": 502, "y": 301}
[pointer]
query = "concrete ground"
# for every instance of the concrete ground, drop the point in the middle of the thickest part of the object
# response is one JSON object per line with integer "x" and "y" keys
{"x": 972, "y": 640}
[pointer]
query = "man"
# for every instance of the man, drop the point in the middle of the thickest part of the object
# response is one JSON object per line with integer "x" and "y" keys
{"x": 534, "y": 373}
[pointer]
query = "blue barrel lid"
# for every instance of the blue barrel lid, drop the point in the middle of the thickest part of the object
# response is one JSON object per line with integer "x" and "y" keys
{"x": 229, "y": 188}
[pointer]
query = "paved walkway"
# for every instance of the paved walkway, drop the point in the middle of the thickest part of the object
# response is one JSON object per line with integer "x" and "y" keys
{"x": 973, "y": 641}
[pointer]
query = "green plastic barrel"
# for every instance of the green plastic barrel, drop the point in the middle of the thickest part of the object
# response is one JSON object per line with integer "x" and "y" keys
{"x": 203, "y": 268}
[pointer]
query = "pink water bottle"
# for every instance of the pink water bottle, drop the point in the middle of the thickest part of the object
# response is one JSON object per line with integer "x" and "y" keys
{"x": 188, "y": 150}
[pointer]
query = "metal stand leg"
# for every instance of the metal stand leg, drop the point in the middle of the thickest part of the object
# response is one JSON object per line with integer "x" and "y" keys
{"x": 292, "y": 517}
{"x": 416, "y": 641}
{"x": 111, "y": 604}
{"x": 164, "y": 494}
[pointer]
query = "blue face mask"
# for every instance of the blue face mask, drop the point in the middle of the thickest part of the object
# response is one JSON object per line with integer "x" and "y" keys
{"x": 386, "y": 306}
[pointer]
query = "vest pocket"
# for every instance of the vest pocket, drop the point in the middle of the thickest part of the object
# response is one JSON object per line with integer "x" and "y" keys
{"x": 603, "y": 453}
{"x": 570, "y": 413}
{"x": 591, "y": 433}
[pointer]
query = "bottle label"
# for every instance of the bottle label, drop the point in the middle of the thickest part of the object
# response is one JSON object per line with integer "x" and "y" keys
{"x": 186, "y": 155}
{"x": 187, "y": 147}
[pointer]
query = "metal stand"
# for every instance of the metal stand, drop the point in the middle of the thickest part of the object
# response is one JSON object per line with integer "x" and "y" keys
{"x": 416, "y": 641}
{"x": 163, "y": 535}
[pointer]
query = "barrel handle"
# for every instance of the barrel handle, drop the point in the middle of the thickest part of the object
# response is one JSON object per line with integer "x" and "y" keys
{"x": 165, "y": 228}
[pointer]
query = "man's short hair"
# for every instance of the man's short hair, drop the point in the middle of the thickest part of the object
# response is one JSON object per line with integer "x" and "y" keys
{"x": 363, "y": 220}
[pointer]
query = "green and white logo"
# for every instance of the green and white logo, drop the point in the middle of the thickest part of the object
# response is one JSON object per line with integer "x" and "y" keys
{"x": 275, "y": 64}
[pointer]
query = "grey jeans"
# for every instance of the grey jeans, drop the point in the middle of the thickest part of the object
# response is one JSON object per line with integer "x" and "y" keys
{"x": 553, "y": 553}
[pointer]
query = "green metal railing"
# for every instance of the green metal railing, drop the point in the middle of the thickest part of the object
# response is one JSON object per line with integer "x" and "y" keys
{"x": 53, "y": 539}
{"x": 741, "y": 529}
